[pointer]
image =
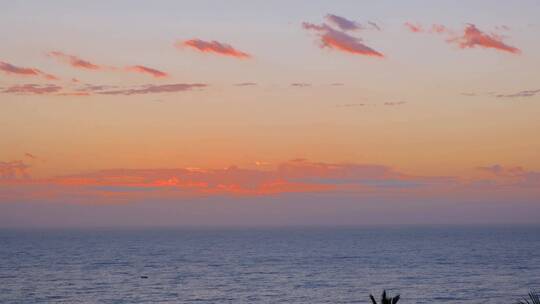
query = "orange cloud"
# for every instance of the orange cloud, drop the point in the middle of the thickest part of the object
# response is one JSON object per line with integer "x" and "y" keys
{"x": 338, "y": 39}
{"x": 149, "y": 71}
{"x": 74, "y": 61}
{"x": 213, "y": 47}
{"x": 15, "y": 70}
{"x": 473, "y": 37}
{"x": 35, "y": 89}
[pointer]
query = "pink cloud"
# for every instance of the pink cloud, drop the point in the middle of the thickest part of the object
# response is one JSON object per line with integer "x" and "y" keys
{"x": 473, "y": 37}
{"x": 74, "y": 61}
{"x": 415, "y": 28}
{"x": 15, "y": 70}
{"x": 34, "y": 89}
{"x": 213, "y": 47}
{"x": 339, "y": 40}
{"x": 149, "y": 71}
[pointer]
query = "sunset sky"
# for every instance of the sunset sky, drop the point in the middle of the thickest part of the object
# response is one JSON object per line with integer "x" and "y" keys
{"x": 269, "y": 112}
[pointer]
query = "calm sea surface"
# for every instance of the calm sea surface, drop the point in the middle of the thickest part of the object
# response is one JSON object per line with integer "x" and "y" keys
{"x": 292, "y": 265}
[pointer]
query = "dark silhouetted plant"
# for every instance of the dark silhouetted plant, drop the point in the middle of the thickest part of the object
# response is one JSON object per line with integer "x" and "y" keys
{"x": 386, "y": 300}
{"x": 534, "y": 298}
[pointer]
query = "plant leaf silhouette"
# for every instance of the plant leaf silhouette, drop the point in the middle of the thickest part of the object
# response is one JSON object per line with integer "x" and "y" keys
{"x": 389, "y": 300}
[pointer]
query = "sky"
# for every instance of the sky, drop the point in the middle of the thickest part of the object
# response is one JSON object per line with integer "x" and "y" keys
{"x": 172, "y": 113}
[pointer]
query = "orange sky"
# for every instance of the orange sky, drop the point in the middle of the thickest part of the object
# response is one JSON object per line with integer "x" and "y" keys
{"x": 421, "y": 93}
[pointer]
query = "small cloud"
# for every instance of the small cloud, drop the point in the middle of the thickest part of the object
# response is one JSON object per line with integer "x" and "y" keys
{"x": 395, "y": 103}
{"x": 32, "y": 89}
{"x": 74, "y": 61}
{"x": 146, "y": 70}
{"x": 213, "y": 47}
{"x": 415, "y": 28}
{"x": 11, "y": 69}
{"x": 337, "y": 84}
{"x": 300, "y": 84}
{"x": 473, "y": 37}
{"x": 470, "y": 94}
{"x": 440, "y": 29}
{"x": 245, "y": 84}
{"x": 30, "y": 155}
{"x": 338, "y": 39}
{"x": 153, "y": 89}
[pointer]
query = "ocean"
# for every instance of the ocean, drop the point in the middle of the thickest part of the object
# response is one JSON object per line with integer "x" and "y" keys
{"x": 496, "y": 264}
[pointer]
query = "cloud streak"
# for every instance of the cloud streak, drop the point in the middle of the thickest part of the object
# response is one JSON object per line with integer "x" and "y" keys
{"x": 148, "y": 71}
{"x": 213, "y": 47}
{"x": 79, "y": 63}
{"x": 11, "y": 69}
{"x": 32, "y": 89}
{"x": 74, "y": 61}
{"x": 155, "y": 89}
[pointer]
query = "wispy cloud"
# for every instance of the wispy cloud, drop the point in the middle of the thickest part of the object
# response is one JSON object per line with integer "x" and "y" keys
{"x": 33, "y": 89}
{"x": 79, "y": 63}
{"x": 520, "y": 94}
{"x": 11, "y": 69}
{"x": 300, "y": 84}
{"x": 394, "y": 103}
{"x": 245, "y": 84}
{"x": 154, "y": 89}
{"x": 214, "y": 47}
{"x": 351, "y": 105}
{"x": 74, "y": 61}
{"x": 415, "y": 28}
{"x": 337, "y": 37}
{"x": 146, "y": 70}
